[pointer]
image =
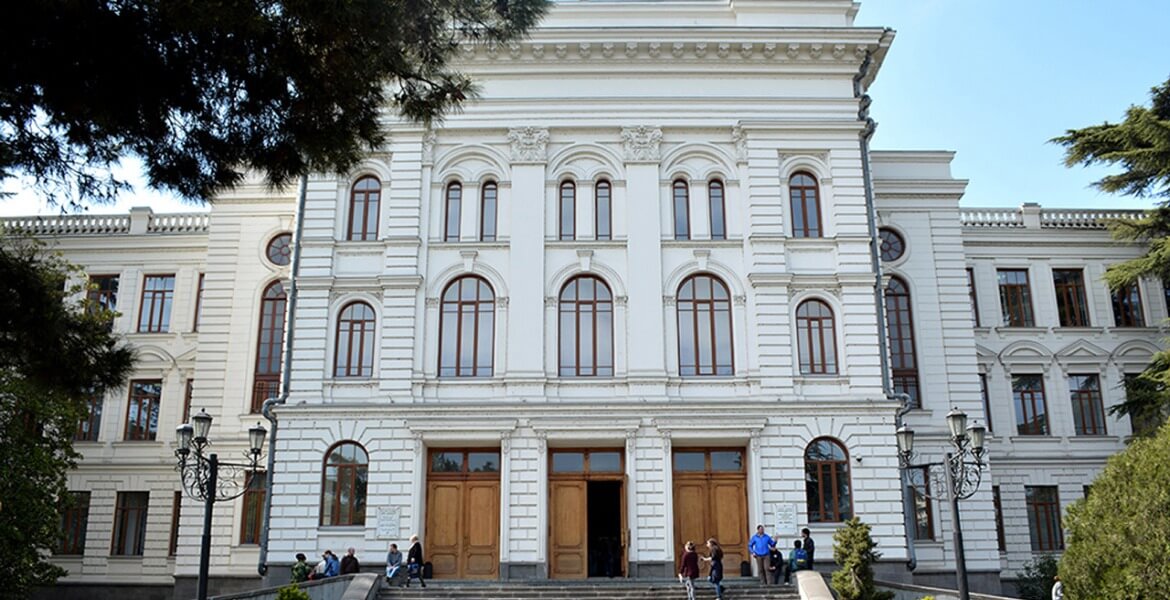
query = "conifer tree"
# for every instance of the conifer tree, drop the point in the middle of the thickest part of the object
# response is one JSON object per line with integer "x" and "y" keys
{"x": 854, "y": 552}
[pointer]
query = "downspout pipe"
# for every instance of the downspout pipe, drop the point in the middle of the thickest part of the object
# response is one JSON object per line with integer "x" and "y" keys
{"x": 285, "y": 374}
{"x": 878, "y": 297}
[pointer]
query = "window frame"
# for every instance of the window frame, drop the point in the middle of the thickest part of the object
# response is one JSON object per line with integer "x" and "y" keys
{"x": 1027, "y": 420}
{"x": 99, "y": 293}
{"x": 567, "y": 215}
{"x": 252, "y": 507}
{"x": 332, "y": 518}
{"x": 900, "y": 308}
{"x": 198, "y": 304}
{"x": 1127, "y": 306}
{"x": 1072, "y": 304}
{"x": 923, "y": 505}
{"x": 452, "y": 211}
{"x": 488, "y": 214}
{"x": 162, "y": 299}
{"x": 359, "y": 333}
{"x": 122, "y": 516}
{"x": 684, "y": 212}
{"x": 154, "y": 407}
{"x": 479, "y": 308}
{"x": 268, "y": 367}
{"x": 598, "y": 221}
{"x": 975, "y": 320}
{"x": 93, "y": 419}
{"x": 713, "y": 307}
{"x": 799, "y": 203}
{"x": 997, "y": 503}
{"x": 1088, "y": 405}
{"x": 1044, "y": 526}
{"x": 809, "y": 327}
{"x": 1015, "y": 296}
{"x": 985, "y": 393}
{"x": 74, "y": 525}
{"x": 176, "y": 510}
{"x": 717, "y": 208}
{"x": 886, "y": 241}
{"x": 836, "y": 469}
{"x": 598, "y": 306}
{"x": 365, "y": 196}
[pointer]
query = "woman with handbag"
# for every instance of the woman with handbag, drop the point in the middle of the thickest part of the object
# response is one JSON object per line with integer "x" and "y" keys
{"x": 414, "y": 562}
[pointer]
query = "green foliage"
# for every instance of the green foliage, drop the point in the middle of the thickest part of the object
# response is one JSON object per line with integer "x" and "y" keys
{"x": 1119, "y": 537}
{"x": 854, "y": 551}
{"x": 1036, "y": 580}
{"x": 54, "y": 353}
{"x": 202, "y": 92}
{"x": 292, "y": 592}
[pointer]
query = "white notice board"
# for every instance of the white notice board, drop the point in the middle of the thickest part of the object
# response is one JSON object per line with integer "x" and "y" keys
{"x": 786, "y": 519}
{"x": 388, "y": 518}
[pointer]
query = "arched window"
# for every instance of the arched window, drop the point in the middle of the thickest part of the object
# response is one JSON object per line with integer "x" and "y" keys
{"x": 354, "y": 353}
{"x": 715, "y": 208}
{"x": 704, "y": 327}
{"x": 900, "y": 327}
{"x": 586, "y": 328}
{"x": 816, "y": 338}
{"x": 488, "y": 193}
{"x": 602, "y": 210}
{"x": 466, "y": 329}
{"x": 343, "y": 490}
{"x": 826, "y": 482}
{"x": 568, "y": 211}
{"x": 364, "y": 200}
{"x": 682, "y": 210}
{"x": 266, "y": 382}
{"x": 451, "y": 213}
{"x": 806, "y": 206}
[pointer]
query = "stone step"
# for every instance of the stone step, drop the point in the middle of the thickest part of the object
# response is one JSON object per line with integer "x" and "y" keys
{"x": 459, "y": 590}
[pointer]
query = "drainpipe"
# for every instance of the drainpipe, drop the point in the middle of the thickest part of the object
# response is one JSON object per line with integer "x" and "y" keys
{"x": 878, "y": 297}
{"x": 285, "y": 373}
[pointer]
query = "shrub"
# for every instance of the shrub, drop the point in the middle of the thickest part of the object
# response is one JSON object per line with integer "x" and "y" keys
{"x": 853, "y": 551}
{"x": 1035, "y": 581}
{"x": 292, "y": 592}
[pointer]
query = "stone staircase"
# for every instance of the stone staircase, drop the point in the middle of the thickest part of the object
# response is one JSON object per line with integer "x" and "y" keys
{"x": 733, "y": 589}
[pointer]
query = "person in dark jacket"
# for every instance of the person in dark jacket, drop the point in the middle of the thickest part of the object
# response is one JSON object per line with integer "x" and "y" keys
{"x": 716, "y": 560}
{"x": 414, "y": 562}
{"x": 689, "y": 571}
{"x": 349, "y": 563}
{"x": 809, "y": 547}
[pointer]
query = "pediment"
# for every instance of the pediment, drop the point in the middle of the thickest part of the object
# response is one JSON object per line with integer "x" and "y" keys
{"x": 1082, "y": 349}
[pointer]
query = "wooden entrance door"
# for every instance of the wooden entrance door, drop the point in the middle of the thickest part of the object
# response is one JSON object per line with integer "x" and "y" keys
{"x": 570, "y": 474}
{"x": 568, "y": 550}
{"x": 463, "y": 514}
{"x": 710, "y": 501}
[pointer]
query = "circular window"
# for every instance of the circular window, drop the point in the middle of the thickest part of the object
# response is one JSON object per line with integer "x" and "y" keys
{"x": 893, "y": 247}
{"x": 280, "y": 250}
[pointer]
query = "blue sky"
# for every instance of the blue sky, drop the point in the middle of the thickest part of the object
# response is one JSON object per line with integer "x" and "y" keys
{"x": 992, "y": 80}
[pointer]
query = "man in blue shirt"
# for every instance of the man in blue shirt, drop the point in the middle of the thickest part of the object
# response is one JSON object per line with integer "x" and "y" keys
{"x": 760, "y": 547}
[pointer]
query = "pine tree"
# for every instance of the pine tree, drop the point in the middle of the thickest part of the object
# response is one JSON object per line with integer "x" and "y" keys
{"x": 854, "y": 552}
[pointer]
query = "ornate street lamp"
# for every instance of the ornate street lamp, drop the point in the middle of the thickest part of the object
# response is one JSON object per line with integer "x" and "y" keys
{"x": 960, "y": 474}
{"x": 199, "y": 472}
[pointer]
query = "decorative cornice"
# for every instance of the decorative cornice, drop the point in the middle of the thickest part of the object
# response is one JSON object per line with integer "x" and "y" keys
{"x": 528, "y": 144}
{"x": 641, "y": 143}
{"x": 726, "y": 49}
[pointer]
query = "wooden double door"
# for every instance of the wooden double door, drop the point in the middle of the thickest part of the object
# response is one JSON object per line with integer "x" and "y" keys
{"x": 463, "y": 514}
{"x": 710, "y": 501}
{"x": 587, "y": 514}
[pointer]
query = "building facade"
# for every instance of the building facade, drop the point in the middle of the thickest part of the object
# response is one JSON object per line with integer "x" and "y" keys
{"x": 623, "y": 300}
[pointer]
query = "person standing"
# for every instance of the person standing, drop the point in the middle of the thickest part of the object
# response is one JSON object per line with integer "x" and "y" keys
{"x": 760, "y": 547}
{"x": 689, "y": 571}
{"x": 300, "y": 569}
{"x": 806, "y": 542}
{"x": 349, "y": 563}
{"x": 715, "y": 557}
{"x": 414, "y": 562}
{"x": 1058, "y": 589}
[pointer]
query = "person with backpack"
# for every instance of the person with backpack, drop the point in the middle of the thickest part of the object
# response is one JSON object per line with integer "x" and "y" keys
{"x": 797, "y": 561}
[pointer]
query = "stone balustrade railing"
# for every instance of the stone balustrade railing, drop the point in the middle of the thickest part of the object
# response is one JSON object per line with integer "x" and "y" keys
{"x": 139, "y": 221}
{"x": 1084, "y": 219}
{"x": 179, "y": 223}
{"x": 992, "y": 217}
{"x": 1031, "y": 216}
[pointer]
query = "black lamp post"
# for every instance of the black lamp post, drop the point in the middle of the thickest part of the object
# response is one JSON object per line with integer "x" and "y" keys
{"x": 960, "y": 477}
{"x": 199, "y": 472}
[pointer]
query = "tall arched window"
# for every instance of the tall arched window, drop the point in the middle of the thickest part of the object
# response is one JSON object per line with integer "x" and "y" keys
{"x": 682, "y": 210}
{"x": 602, "y": 210}
{"x": 488, "y": 193}
{"x": 806, "y": 206}
{"x": 266, "y": 380}
{"x": 567, "y": 211}
{"x": 816, "y": 338}
{"x": 364, "y": 199}
{"x": 354, "y": 353}
{"x": 704, "y": 327}
{"x": 586, "y": 328}
{"x": 826, "y": 482}
{"x": 466, "y": 329}
{"x": 715, "y": 209}
{"x": 451, "y": 212}
{"x": 900, "y": 327}
{"x": 343, "y": 489}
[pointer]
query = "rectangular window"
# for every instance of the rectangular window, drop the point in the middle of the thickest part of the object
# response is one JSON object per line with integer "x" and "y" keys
{"x": 188, "y": 393}
{"x": 568, "y": 212}
{"x": 1031, "y": 410}
{"x": 1044, "y": 518}
{"x": 130, "y": 523}
{"x": 986, "y": 399}
{"x": 454, "y": 205}
{"x": 158, "y": 292}
{"x": 998, "y": 518}
{"x": 488, "y": 197}
{"x": 1070, "y": 297}
{"x": 974, "y": 297}
{"x": 1127, "y": 307}
{"x": 74, "y": 521}
{"x": 923, "y": 518}
{"x": 103, "y": 291}
{"x": 253, "y": 515}
{"x": 603, "y": 210}
{"x": 142, "y": 415}
{"x": 715, "y": 210}
{"x": 176, "y": 506}
{"x": 1015, "y": 298}
{"x": 90, "y": 427}
{"x": 1088, "y": 408}
{"x": 682, "y": 211}
{"x": 198, "y": 304}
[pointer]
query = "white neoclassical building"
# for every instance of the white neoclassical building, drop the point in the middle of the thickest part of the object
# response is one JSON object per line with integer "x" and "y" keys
{"x": 625, "y": 299}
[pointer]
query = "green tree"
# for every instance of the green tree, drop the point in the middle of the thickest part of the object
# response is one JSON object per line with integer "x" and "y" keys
{"x": 1036, "y": 580}
{"x": 202, "y": 92}
{"x": 1119, "y": 536}
{"x": 54, "y": 353}
{"x": 1140, "y": 145}
{"x": 854, "y": 552}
